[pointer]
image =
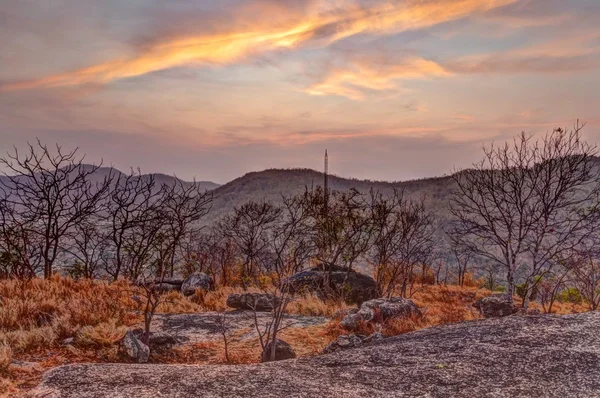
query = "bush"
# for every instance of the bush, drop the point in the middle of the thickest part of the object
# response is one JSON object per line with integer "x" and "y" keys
{"x": 104, "y": 334}
{"x": 570, "y": 295}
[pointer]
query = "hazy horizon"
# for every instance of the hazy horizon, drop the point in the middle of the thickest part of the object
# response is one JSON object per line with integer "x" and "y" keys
{"x": 395, "y": 90}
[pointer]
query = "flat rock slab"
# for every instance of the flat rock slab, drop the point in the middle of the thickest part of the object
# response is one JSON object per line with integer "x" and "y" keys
{"x": 206, "y": 326}
{"x": 529, "y": 356}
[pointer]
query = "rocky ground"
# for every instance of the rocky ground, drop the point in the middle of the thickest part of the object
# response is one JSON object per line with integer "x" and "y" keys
{"x": 515, "y": 356}
{"x": 207, "y": 326}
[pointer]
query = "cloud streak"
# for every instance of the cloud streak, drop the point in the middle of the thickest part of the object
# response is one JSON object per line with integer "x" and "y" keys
{"x": 317, "y": 26}
{"x": 365, "y": 74}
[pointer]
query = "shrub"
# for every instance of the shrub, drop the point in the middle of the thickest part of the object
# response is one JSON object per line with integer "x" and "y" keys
{"x": 104, "y": 334}
{"x": 570, "y": 295}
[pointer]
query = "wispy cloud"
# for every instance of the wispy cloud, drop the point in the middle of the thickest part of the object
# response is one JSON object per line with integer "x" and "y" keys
{"x": 321, "y": 26}
{"x": 367, "y": 74}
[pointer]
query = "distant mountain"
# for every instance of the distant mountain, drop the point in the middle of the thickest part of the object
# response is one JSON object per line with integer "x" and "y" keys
{"x": 271, "y": 184}
{"x": 160, "y": 179}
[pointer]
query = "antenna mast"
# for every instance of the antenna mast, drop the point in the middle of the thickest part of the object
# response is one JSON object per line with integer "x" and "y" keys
{"x": 326, "y": 184}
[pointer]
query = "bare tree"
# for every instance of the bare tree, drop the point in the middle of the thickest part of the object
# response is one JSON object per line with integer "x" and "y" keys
{"x": 289, "y": 238}
{"x": 182, "y": 207}
{"x": 50, "y": 192}
{"x": 211, "y": 253}
{"x": 526, "y": 203}
{"x": 248, "y": 228}
{"x": 403, "y": 231}
{"x": 131, "y": 205}
{"x": 463, "y": 258}
{"x": 586, "y": 277}
{"x": 89, "y": 247}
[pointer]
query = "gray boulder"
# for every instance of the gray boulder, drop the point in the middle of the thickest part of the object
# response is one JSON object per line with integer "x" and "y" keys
{"x": 159, "y": 339}
{"x": 253, "y": 301}
{"x": 353, "y": 319}
{"x": 328, "y": 280}
{"x": 380, "y": 310}
{"x": 496, "y": 306}
{"x": 282, "y": 351}
{"x": 394, "y": 307}
{"x": 134, "y": 349}
{"x": 199, "y": 280}
{"x": 345, "y": 342}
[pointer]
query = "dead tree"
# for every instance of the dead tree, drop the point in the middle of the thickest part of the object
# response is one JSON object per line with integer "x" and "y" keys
{"x": 403, "y": 237}
{"x": 289, "y": 239}
{"x": 183, "y": 205}
{"x": 463, "y": 258}
{"x": 268, "y": 332}
{"x": 248, "y": 227}
{"x": 89, "y": 246}
{"x": 526, "y": 203}
{"x": 50, "y": 192}
{"x": 131, "y": 203}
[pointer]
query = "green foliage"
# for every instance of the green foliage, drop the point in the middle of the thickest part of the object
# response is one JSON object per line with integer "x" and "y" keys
{"x": 570, "y": 295}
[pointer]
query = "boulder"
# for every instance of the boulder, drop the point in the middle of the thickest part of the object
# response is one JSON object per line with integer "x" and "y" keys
{"x": 282, "y": 351}
{"x": 352, "y": 320}
{"x": 394, "y": 307}
{"x": 167, "y": 287}
{"x": 159, "y": 339}
{"x": 199, "y": 280}
{"x": 134, "y": 348}
{"x": 495, "y": 306}
{"x": 253, "y": 301}
{"x": 380, "y": 310}
{"x": 352, "y": 286}
{"x": 345, "y": 342}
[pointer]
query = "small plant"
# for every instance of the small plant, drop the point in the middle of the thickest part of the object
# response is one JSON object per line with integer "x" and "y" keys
{"x": 104, "y": 334}
{"x": 570, "y": 295}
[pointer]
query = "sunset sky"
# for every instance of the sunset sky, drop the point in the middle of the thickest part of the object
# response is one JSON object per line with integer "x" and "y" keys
{"x": 214, "y": 89}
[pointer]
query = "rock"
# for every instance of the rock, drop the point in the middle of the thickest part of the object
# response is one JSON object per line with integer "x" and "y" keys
{"x": 345, "y": 342}
{"x": 134, "y": 348}
{"x": 253, "y": 301}
{"x": 495, "y": 306}
{"x": 25, "y": 366}
{"x": 167, "y": 287}
{"x": 380, "y": 310}
{"x": 158, "y": 339}
{"x": 353, "y": 320}
{"x": 544, "y": 356}
{"x": 525, "y": 357}
{"x": 395, "y": 307}
{"x": 282, "y": 351}
{"x": 195, "y": 281}
{"x": 342, "y": 313}
{"x": 352, "y": 286}
{"x": 374, "y": 337}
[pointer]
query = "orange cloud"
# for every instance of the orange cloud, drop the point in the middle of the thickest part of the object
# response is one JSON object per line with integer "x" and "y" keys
{"x": 321, "y": 27}
{"x": 362, "y": 76}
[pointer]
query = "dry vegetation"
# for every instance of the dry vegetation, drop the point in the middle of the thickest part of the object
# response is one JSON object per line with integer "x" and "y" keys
{"x": 36, "y": 315}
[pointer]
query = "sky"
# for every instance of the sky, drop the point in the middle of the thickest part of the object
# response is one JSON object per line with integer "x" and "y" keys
{"x": 211, "y": 90}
